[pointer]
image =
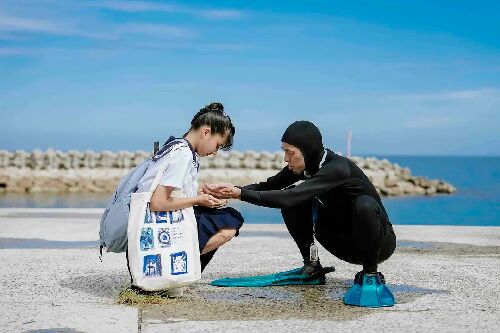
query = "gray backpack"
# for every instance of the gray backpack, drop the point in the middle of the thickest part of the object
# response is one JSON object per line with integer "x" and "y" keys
{"x": 114, "y": 220}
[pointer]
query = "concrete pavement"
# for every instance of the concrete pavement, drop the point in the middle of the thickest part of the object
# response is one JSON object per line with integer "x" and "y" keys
{"x": 444, "y": 278}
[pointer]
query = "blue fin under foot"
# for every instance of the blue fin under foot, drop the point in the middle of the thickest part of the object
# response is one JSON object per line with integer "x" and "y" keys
{"x": 369, "y": 290}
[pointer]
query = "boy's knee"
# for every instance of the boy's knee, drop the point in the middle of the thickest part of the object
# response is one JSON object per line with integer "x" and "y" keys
{"x": 366, "y": 205}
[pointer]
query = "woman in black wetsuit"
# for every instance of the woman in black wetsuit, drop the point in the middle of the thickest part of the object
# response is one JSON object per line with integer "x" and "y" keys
{"x": 336, "y": 203}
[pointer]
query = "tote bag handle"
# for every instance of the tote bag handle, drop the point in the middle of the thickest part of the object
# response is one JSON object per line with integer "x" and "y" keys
{"x": 163, "y": 166}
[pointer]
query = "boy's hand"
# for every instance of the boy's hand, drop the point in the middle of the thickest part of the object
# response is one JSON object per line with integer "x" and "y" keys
{"x": 222, "y": 190}
{"x": 230, "y": 192}
{"x": 215, "y": 189}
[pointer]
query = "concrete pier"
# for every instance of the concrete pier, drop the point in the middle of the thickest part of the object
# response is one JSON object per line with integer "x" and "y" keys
{"x": 445, "y": 279}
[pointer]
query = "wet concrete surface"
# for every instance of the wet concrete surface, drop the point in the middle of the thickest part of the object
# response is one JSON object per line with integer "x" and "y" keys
{"x": 434, "y": 248}
{"x": 55, "y": 330}
{"x": 270, "y": 303}
{"x": 36, "y": 243}
{"x": 54, "y": 215}
{"x": 206, "y": 303}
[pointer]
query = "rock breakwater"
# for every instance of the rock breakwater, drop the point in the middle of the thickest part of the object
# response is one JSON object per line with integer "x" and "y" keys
{"x": 89, "y": 171}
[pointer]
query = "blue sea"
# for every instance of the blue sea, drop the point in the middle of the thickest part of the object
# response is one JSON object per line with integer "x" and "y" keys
{"x": 477, "y": 201}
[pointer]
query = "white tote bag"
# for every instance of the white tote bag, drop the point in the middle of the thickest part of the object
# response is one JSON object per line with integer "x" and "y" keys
{"x": 163, "y": 249}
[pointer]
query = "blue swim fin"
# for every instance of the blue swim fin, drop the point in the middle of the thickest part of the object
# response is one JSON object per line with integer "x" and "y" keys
{"x": 369, "y": 290}
{"x": 287, "y": 278}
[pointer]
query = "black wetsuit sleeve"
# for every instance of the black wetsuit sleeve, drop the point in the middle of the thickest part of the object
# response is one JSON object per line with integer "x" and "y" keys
{"x": 279, "y": 181}
{"x": 328, "y": 177}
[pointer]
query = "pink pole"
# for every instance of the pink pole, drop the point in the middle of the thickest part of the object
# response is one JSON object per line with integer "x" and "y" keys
{"x": 349, "y": 140}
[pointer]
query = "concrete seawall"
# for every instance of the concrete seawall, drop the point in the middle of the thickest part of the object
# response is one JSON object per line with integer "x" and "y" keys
{"x": 74, "y": 171}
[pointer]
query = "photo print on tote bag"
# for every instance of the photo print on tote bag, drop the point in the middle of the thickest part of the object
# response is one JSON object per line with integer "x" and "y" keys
{"x": 164, "y": 239}
{"x": 148, "y": 217}
{"x": 147, "y": 239}
{"x": 176, "y": 216}
{"x": 152, "y": 265}
{"x": 178, "y": 263}
{"x": 162, "y": 217}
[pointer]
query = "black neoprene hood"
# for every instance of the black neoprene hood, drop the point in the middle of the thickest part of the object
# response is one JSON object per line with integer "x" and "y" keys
{"x": 307, "y": 137}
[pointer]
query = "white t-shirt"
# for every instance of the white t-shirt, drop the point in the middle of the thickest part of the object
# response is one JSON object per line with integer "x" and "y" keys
{"x": 181, "y": 171}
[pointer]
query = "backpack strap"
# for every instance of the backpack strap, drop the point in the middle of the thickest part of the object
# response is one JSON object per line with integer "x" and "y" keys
{"x": 167, "y": 147}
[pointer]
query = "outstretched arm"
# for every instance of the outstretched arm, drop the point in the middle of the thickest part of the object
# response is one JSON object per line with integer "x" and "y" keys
{"x": 327, "y": 178}
{"x": 279, "y": 181}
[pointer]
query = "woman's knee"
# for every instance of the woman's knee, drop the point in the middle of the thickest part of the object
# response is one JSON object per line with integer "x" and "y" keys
{"x": 227, "y": 234}
{"x": 220, "y": 238}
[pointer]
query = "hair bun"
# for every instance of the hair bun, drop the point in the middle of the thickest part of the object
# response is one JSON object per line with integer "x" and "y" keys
{"x": 215, "y": 106}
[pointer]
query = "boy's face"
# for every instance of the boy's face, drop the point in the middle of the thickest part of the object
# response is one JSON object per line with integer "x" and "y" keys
{"x": 210, "y": 143}
{"x": 294, "y": 158}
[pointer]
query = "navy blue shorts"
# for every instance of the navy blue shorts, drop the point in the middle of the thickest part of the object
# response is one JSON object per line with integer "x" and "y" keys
{"x": 211, "y": 220}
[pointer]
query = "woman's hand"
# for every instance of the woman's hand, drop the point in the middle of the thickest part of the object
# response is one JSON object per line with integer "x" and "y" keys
{"x": 208, "y": 200}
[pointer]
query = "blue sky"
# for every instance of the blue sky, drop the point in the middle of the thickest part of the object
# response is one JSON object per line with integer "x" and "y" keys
{"x": 418, "y": 78}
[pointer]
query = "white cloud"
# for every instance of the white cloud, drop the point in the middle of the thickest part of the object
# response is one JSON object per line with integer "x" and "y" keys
{"x": 223, "y": 14}
{"x": 149, "y": 6}
{"x": 452, "y": 96}
{"x": 15, "y": 24}
{"x": 471, "y": 94}
{"x": 5, "y": 51}
{"x": 7, "y": 36}
{"x": 12, "y": 24}
{"x": 20, "y": 20}
{"x": 30, "y": 20}
{"x": 427, "y": 122}
{"x": 103, "y": 32}
{"x": 131, "y": 6}
{"x": 158, "y": 30}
